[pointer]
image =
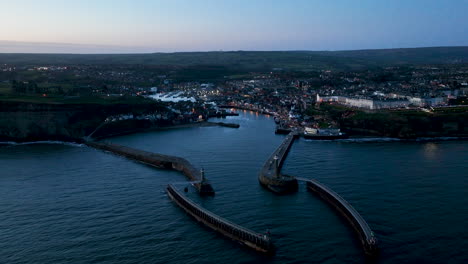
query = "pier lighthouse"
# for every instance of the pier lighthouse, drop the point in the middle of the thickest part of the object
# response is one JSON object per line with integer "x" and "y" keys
{"x": 202, "y": 175}
{"x": 276, "y": 164}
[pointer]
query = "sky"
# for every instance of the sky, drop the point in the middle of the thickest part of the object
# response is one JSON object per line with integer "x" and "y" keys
{"x": 136, "y": 26}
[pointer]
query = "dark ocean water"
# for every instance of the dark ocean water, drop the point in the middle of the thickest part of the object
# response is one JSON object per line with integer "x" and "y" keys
{"x": 73, "y": 204}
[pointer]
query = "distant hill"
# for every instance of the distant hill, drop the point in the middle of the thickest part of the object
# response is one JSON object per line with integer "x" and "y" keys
{"x": 258, "y": 60}
{"x": 434, "y": 55}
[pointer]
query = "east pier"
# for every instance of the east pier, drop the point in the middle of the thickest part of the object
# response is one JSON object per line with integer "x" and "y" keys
{"x": 270, "y": 175}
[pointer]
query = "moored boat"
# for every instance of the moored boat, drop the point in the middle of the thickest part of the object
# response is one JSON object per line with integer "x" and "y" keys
{"x": 324, "y": 134}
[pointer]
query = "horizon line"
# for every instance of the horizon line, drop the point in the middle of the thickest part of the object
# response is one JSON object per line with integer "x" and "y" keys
{"x": 121, "y": 52}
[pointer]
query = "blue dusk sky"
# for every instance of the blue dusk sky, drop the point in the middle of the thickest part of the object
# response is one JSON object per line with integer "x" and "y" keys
{"x": 90, "y": 26}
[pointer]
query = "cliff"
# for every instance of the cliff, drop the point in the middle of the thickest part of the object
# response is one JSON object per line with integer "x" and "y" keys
{"x": 28, "y": 121}
{"x": 407, "y": 124}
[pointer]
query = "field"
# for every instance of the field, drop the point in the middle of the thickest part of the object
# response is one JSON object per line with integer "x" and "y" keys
{"x": 257, "y": 60}
{"x": 5, "y": 88}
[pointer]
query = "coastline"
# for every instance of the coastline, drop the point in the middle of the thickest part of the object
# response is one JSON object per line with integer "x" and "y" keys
{"x": 353, "y": 139}
{"x": 161, "y": 128}
{"x": 81, "y": 140}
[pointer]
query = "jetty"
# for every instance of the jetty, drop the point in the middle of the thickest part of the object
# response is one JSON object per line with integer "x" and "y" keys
{"x": 159, "y": 161}
{"x": 224, "y": 124}
{"x": 222, "y": 114}
{"x": 270, "y": 176}
{"x": 249, "y": 238}
{"x": 366, "y": 236}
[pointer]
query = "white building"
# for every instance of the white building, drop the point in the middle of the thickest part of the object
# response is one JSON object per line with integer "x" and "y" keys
{"x": 360, "y": 103}
{"x": 418, "y": 101}
{"x": 365, "y": 103}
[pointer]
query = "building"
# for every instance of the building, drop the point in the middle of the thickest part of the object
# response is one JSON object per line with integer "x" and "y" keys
{"x": 366, "y": 103}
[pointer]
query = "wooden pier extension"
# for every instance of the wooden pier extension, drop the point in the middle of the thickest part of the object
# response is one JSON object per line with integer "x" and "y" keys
{"x": 259, "y": 242}
{"x": 159, "y": 161}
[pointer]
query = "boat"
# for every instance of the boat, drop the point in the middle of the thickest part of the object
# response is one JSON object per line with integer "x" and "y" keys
{"x": 324, "y": 134}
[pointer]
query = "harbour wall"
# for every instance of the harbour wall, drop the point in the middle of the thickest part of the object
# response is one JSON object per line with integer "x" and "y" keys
{"x": 366, "y": 236}
{"x": 159, "y": 161}
{"x": 283, "y": 150}
{"x": 249, "y": 238}
{"x": 281, "y": 153}
{"x": 270, "y": 176}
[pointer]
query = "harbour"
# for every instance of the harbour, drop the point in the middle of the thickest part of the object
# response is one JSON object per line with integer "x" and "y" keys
{"x": 134, "y": 210}
{"x": 271, "y": 178}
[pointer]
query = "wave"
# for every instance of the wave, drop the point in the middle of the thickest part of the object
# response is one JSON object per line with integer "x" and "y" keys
{"x": 12, "y": 143}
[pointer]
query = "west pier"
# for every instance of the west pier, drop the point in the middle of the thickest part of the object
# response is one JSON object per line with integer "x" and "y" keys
{"x": 160, "y": 161}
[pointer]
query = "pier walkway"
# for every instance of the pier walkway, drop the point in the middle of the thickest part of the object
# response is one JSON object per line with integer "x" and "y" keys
{"x": 275, "y": 161}
{"x": 159, "y": 161}
{"x": 249, "y": 238}
{"x": 270, "y": 176}
{"x": 366, "y": 236}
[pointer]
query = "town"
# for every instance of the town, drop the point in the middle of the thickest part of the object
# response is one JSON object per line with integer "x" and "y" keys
{"x": 233, "y": 131}
{"x": 293, "y": 97}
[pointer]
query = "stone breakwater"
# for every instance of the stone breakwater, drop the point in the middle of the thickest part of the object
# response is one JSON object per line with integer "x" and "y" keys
{"x": 159, "y": 161}
{"x": 366, "y": 236}
{"x": 247, "y": 237}
{"x": 270, "y": 176}
{"x": 259, "y": 242}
